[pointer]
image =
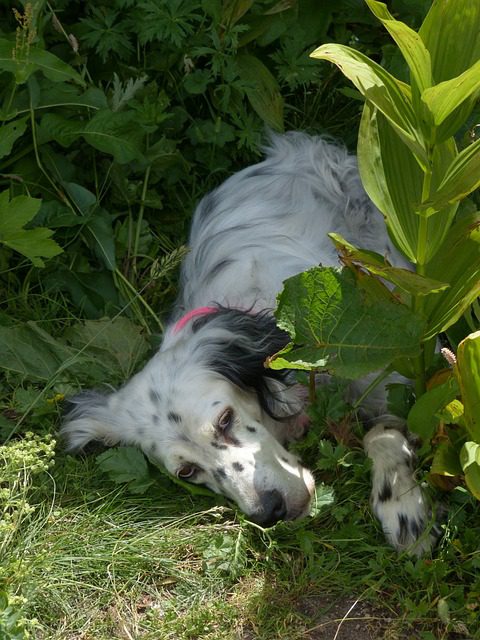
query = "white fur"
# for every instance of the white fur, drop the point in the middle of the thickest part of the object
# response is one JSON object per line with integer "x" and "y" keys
{"x": 264, "y": 224}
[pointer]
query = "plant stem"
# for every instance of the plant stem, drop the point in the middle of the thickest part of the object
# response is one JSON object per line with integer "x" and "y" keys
{"x": 138, "y": 229}
{"x": 418, "y": 300}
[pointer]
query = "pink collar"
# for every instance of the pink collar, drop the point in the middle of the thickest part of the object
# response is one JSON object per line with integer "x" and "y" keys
{"x": 199, "y": 311}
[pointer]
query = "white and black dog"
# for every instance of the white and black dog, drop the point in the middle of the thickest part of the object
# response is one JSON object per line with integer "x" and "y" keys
{"x": 205, "y": 405}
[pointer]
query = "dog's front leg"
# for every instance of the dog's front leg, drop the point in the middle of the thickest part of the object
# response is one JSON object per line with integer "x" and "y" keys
{"x": 397, "y": 499}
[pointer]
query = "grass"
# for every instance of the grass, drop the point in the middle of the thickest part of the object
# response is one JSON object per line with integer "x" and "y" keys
{"x": 95, "y": 562}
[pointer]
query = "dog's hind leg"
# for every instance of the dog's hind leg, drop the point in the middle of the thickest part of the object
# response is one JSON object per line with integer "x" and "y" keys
{"x": 397, "y": 499}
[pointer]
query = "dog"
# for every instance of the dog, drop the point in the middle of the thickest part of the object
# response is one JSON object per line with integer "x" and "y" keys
{"x": 205, "y": 405}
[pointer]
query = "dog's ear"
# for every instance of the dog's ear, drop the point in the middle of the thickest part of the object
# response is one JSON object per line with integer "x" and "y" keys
{"x": 88, "y": 418}
{"x": 237, "y": 348}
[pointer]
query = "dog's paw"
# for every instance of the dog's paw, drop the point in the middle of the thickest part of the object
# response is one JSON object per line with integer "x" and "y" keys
{"x": 398, "y": 501}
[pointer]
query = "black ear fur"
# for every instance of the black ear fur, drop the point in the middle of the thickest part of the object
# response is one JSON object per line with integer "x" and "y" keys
{"x": 239, "y": 352}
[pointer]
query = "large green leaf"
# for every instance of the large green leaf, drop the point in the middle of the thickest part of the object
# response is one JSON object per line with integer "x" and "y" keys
{"x": 470, "y": 461}
{"x": 126, "y": 465}
{"x": 468, "y": 374}
{"x": 376, "y": 264}
{"x": 423, "y": 417}
{"x": 390, "y": 96}
{"x": 118, "y": 344}
{"x": 451, "y": 33}
{"x": 339, "y": 325}
{"x": 38, "y": 60}
{"x": 262, "y": 90}
{"x": 458, "y": 263}
{"x": 394, "y": 181}
{"x": 61, "y": 129}
{"x": 461, "y": 178}
{"x": 115, "y": 133}
{"x": 410, "y": 44}
{"x": 445, "y": 97}
{"x": 9, "y": 134}
{"x": 36, "y": 243}
{"x": 30, "y": 352}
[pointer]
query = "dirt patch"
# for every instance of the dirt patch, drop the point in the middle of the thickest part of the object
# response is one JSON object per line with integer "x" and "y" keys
{"x": 349, "y": 619}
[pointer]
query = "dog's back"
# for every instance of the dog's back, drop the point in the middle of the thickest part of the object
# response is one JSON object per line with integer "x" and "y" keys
{"x": 271, "y": 220}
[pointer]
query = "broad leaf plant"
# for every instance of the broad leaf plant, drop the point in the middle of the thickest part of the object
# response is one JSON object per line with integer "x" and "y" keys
{"x": 349, "y": 322}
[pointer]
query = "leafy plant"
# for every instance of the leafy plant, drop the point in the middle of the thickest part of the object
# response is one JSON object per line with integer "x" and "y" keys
{"x": 414, "y": 172}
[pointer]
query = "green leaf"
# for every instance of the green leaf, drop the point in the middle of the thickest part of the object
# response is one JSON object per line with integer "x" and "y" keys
{"x": 423, "y": 416}
{"x": 37, "y": 60}
{"x": 410, "y": 44}
{"x": 451, "y": 33}
{"x": 376, "y": 264}
{"x": 324, "y": 497}
{"x": 461, "y": 178}
{"x": 394, "y": 181}
{"x": 390, "y": 96}
{"x": 468, "y": 374}
{"x": 126, "y": 465}
{"x": 444, "y": 98}
{"x": 9, "y": 134}
{"x": 36, "y": 243}
{"x": 446, "y": 460}
{"x": 339, "y": 325}
{"x": 118, "y": 344}
{"x": 60, "y": 129}
{"x": 30, "y": 352}
{"x": 458, "y": 263}
{"x": 262, "y": 89}
{"x": 102, "y": 238}
{"x": 470, "y": 461}
{"x": 115, "y": 133}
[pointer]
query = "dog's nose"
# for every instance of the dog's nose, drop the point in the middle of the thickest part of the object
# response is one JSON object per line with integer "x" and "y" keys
{"x": 273, "y": 508}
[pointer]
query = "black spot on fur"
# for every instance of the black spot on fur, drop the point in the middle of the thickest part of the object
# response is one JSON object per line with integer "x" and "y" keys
{"x": 416, "y": 528}
{"x": 219, "y": 475}
{"x": 207, "y": 206}
{"x": 217, "y": 445}
{"x": 155, "y": 418}
{"x": 238, "y": 467}
{"x": 216, "y": 269}
{"x": 174, "y": 417}
{"x": 251, "y": 429}
{"x": 153, "y": 448}
{"x": 386, "y": 492}
{"x": 141, "y": 431}
{"x": 154, "y": 396}
{"x": 402, "y": 528}
{"x": 235, "y": 442}
{"x": 283, "y": 459}
{"x": 240, "y": 356}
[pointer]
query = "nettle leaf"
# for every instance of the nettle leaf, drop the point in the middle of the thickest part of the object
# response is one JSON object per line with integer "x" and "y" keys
{"x": 36, "y": 243}
{"x": 116, "y": 133}
{"x": 37, "y": 60}
{"x": 126, "y": 465}
{"x": 118, "y": 344}
{"x": 9, "y": 134}
{"x": 346, "y": 327}
{"x": 262, "y": 89}
{"x": 376, "y": 264}
{"x": 468, "y": 374}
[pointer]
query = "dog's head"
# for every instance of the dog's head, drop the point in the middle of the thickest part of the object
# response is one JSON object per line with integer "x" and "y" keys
{"x": 207, "y": 408}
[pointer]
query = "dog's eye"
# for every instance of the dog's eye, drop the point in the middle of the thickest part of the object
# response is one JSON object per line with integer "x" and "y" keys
{"x": 187, "y": 471}
{"x": 225, "y": 420}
